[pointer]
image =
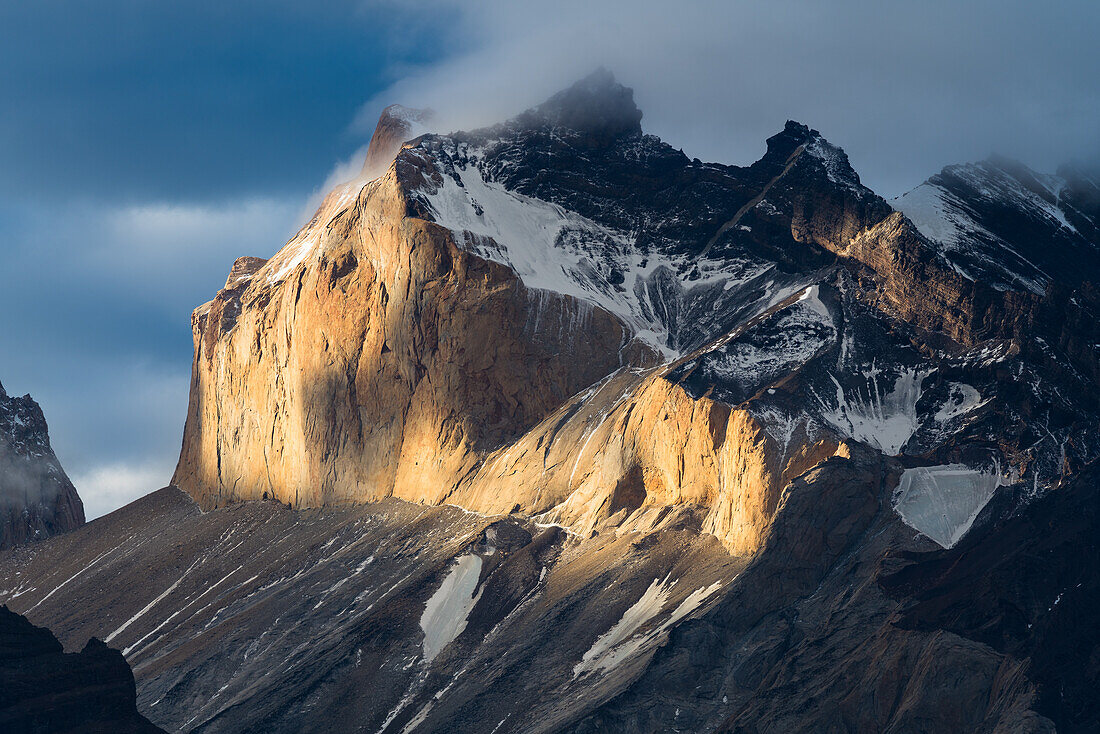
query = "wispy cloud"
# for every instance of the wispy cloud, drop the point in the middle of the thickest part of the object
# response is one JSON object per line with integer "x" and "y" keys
{"x": 905, "y": 88}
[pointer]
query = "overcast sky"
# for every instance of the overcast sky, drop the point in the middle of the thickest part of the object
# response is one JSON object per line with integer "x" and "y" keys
{"x": 145, "y": 145}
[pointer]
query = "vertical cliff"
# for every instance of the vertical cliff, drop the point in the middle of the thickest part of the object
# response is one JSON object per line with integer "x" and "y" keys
{"x": 377, "y": 359}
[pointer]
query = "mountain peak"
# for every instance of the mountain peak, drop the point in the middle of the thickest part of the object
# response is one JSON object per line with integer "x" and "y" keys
{"x": 396, "y": 125}
{"x": 597, "y": 105}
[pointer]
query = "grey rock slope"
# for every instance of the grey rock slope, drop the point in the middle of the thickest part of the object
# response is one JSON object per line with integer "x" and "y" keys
{"x": 37, "y": 499}
{"x": 260, "y": 618}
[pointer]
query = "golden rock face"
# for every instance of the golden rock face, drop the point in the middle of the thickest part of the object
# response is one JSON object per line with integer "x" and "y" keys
{"x": 389, "y": 362}
{"x": 376, "y": 356}
{"x": 386, "y": 364}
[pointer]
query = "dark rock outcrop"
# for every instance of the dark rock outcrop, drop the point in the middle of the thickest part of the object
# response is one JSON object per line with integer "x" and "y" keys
{"x": 44, "y": 690}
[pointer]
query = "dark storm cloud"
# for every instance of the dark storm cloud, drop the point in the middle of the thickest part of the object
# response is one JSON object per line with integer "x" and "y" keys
{"x": 144, "y": 145}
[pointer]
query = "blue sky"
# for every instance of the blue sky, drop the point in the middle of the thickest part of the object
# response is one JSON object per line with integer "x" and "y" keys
{"x": 144, "y": 145}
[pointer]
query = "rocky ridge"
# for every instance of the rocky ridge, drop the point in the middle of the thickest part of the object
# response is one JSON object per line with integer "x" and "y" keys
{"x": 37, "y": 499}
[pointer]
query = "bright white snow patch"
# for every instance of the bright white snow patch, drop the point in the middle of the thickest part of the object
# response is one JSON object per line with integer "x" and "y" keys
{"x": 936, "y": 214}
{"x": 445, "y": 614}
{"x": 625, "y": 638}
{"x": 885, "y": 421}
{"x": 962, "y": 399}
{"x": 942, "y": 502}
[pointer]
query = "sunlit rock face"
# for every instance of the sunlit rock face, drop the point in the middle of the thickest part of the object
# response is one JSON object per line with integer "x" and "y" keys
{"x": 616, "y": 337}
{"x": 752, "y": 397}
{"x": 37, "y": 499}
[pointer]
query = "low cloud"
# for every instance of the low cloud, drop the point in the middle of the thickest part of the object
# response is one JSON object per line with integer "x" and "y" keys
{"x": 97, "y": 325}
{"x": 904, "y": 88}
{"x": 105, "y": 488}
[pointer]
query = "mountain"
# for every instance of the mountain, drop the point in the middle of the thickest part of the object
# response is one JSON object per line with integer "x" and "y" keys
{"x": 1002, "y": 223}
{"x": 546, "y": 427}
{"x": 37, "y": 499}
{"x": 46, "y": 690}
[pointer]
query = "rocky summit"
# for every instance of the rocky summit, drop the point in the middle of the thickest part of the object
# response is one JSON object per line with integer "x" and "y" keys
{"x": 37, "y": 499}
{"x": 547, "y": 427}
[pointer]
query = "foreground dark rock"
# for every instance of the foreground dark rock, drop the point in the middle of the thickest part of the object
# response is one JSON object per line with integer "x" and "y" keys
{"x": 44, "y": 690}
{"x": 37, "y": 499}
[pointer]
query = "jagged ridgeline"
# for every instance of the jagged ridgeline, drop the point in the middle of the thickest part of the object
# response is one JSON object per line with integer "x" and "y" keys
{"x": 564, "y": 317}
{"x": 37, "y": 499}
{"x": 563, "y": 431}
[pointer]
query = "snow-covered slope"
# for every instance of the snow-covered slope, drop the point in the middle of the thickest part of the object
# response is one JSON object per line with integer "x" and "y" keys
{"x": 1004, "y": 224}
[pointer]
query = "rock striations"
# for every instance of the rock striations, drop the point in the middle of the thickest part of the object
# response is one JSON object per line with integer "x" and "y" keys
{"x": 36, "y": 497}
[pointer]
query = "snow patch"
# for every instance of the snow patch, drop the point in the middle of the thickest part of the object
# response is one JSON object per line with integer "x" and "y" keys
{"x": 553, "y": 249}
{"x": 961, "y": 400}
{"x": 886, "y": 422}
{"x": 942, "y": 502}
{"x": 446, "y": 612}
{"x": 799, "y": 332}
{"x": 625, "y": 638}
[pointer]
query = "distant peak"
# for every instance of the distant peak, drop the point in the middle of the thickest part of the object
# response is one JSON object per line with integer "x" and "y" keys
{"x": 797, "y": 129}
{"x": 597, "y": 105}
{"x": 786, "y": 141}
{"x": 796, "y": 137}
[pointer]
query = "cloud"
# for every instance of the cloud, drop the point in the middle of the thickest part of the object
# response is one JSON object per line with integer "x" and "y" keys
{"x": 105, "y": 488}
{"x": 904, "y": 88}
{"x": 97, "y": 324}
